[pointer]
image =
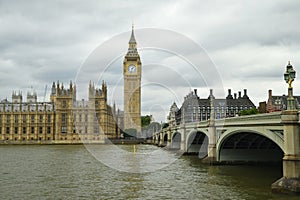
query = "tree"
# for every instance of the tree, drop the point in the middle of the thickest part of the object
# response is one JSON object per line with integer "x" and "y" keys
{"x": 251, "y": 111}
{"x": 165, "y": 125}
{"x": 145, "y": 120}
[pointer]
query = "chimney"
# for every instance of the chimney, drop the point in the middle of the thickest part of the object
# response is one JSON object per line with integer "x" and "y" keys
{"x": 229, "y": 96}
{"x": 270, "y": 94}
{"x": 211, "y": 94}
{"x": 234, "y": 95}
{"x": 240, "y": 94}
{"x": 245, "y": 94}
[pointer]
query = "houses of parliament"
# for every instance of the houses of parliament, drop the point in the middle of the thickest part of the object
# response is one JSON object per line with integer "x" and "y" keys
{"x": 65, "y": 120}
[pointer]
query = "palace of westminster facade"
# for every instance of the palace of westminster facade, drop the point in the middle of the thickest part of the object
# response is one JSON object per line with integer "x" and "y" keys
{"x": 62, "y": 120}
{"x": 66, "y": 120}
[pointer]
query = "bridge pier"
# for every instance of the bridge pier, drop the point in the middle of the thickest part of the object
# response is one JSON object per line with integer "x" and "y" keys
{"x": 183, "y": 147}
{"x": 290, "y": 182}
{"x": 169, "y": 143}
{"x": 212, "y": 141}
{"x": 161, "y": 142}
{"x": 156, "y": 140}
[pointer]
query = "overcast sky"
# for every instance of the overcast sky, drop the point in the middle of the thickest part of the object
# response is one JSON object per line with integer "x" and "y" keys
{"x": 249, "y": 42}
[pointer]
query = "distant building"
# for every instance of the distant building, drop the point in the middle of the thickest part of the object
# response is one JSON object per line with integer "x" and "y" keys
{"x": 195, "y": 109}
{"x": 262, "y": 108}
{"x": 279, "y": 103}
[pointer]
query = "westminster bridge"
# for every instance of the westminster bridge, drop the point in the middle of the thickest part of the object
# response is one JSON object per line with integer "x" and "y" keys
{"x": 262, "y": 137}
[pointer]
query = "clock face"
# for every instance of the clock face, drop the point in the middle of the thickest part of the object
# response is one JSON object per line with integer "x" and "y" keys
{"x": 131, "y": 68}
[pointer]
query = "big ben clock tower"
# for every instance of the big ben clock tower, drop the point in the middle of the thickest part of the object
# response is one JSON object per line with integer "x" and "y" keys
{"x": 132, "y": 72}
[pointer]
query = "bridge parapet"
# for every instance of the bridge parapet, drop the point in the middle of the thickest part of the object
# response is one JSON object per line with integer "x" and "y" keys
{"x": 259, "y": 119}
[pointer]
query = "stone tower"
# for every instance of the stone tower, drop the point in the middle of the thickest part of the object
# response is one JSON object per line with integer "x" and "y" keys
{"x": 63, "y": 99}
{"x": 132, "y": 72}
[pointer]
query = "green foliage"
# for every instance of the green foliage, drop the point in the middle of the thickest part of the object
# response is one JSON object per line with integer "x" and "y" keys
{"x": 131, "y": 132}
{"x": 145, "y": 120}
{"x": 251, "y": 111}
{"x": 165, "y": 125}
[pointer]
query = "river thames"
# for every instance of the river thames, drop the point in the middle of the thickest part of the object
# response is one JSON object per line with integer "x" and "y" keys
{"x": 72, "y": 172}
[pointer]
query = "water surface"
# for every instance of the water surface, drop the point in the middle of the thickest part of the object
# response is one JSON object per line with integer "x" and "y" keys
{"x": 72, "y": 172}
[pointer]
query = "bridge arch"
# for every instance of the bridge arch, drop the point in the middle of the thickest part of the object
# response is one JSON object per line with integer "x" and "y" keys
{"x": 176, "y": 140}
{"x": 249, "y": 145}
{"x": 197, "y": 143}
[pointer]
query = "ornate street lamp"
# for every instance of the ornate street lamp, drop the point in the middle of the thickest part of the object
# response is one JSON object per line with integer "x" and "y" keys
{"x": 289, "y": 77}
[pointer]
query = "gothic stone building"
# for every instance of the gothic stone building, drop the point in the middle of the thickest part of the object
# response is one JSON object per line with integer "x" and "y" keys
{"x": 195, "y": 108}
{"x": 62, "y": 120}
{"x": 277, "y": 103}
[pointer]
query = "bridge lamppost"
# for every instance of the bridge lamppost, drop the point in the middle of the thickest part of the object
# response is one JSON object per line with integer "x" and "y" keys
{"x": 289, "y": 77}
{"x": 290, "y": 181}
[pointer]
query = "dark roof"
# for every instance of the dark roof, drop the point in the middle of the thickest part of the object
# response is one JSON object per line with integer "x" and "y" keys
{"x": 283, "y": 100}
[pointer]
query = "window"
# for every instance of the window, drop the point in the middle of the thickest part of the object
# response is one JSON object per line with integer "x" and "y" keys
{"x": 86, "y": 117}
{"x": 96, "y": 103}
{"x": 24, "y": 119}
{"x": 32, "y": 118}
{"x": 24, "y": 130}
{"x": 16, "y": 130}
{"x": 74, "y": 117}
{"x": 96, "y": 129}
{"x": 7, "y": 130}
{"x": 48, "y": 130}
{"x": 32, "y": 130}
{"x": 7, "y": 118}
{"x": 0, "y": 119}
{"x": 49, "y": 118}
{"x": 16, "y": 118}
{"x": 63, "y": 129}
{"x": 80, "y": 117}
{"x": 0, "y": 130}
{"x": 41, "y": 130}
{"x": 63, "y": 118}
{"x": 41, "y": 118}
{"x": 64, "y": 104}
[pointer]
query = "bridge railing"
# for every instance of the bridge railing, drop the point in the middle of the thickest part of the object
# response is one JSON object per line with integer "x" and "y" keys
{"x": 266, "y": 118}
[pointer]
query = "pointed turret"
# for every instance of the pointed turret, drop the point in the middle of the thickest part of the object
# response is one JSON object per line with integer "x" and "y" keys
{"x": 132, "y": 38}
{"x": 53, "y": 89}
{"x": 132, "y": 49}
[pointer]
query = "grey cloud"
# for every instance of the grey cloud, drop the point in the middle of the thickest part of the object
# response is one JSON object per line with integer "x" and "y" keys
{"x": 249, "y": 41}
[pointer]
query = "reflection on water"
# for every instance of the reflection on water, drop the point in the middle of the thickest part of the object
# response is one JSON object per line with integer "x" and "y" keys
{"x": 132, "y": 158}
{"x": 72, "y": 172}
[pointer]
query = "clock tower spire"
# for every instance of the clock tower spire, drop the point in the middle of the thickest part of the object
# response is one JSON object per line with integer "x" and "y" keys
{"x": 132, "y": 73}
